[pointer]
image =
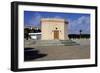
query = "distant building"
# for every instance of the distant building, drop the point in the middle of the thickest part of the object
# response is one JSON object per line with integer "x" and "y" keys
{"x": 29, "y": 27}
{"x": 54, "y": 29}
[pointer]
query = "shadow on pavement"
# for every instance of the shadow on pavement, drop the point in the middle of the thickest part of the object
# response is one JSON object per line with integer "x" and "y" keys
{"x": 31, "y": 54}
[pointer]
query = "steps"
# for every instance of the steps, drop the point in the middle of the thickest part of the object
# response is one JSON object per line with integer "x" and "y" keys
{"x": 54, "y": 43}
{"x": 68, "y": 42}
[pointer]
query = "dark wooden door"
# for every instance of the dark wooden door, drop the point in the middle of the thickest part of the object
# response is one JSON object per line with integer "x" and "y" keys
{"x": 56, "y": 34}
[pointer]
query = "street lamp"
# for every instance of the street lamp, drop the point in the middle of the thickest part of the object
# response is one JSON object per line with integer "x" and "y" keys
{"x": 80, "y": 33}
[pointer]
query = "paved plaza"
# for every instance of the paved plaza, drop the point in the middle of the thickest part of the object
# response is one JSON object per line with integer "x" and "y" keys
{"x": 57, "y": 52}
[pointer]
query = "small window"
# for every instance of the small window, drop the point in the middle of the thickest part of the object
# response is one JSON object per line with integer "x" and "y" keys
{"x": 56, "y": 28}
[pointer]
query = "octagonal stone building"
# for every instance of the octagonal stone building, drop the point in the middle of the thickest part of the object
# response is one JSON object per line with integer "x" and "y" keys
{"x": 54, "y": 29}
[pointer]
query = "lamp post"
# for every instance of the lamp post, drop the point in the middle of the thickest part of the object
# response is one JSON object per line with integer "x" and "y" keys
{"x": 80, "y": 33}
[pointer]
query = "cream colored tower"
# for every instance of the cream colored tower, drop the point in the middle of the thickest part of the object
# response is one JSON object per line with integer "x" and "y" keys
{"x": 54, "y": 29}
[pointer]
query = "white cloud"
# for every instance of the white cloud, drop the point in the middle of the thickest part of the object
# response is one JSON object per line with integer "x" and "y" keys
{"x": 82, "y": 23}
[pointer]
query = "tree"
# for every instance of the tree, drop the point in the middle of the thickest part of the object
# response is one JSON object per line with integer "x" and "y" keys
{"x": 26, "y": 33}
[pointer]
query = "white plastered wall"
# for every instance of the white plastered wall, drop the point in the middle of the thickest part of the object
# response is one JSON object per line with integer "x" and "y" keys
{"x": 48, "y": 27}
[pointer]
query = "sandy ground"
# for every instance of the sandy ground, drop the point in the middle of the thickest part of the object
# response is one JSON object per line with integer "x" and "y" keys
{"x": 81, "y": 51}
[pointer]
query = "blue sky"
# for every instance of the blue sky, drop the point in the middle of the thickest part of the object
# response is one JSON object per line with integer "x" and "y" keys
{"x": 76, "y": 21}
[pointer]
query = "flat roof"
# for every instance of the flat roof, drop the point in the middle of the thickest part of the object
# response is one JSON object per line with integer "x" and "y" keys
{"x": 52, "y": 19}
